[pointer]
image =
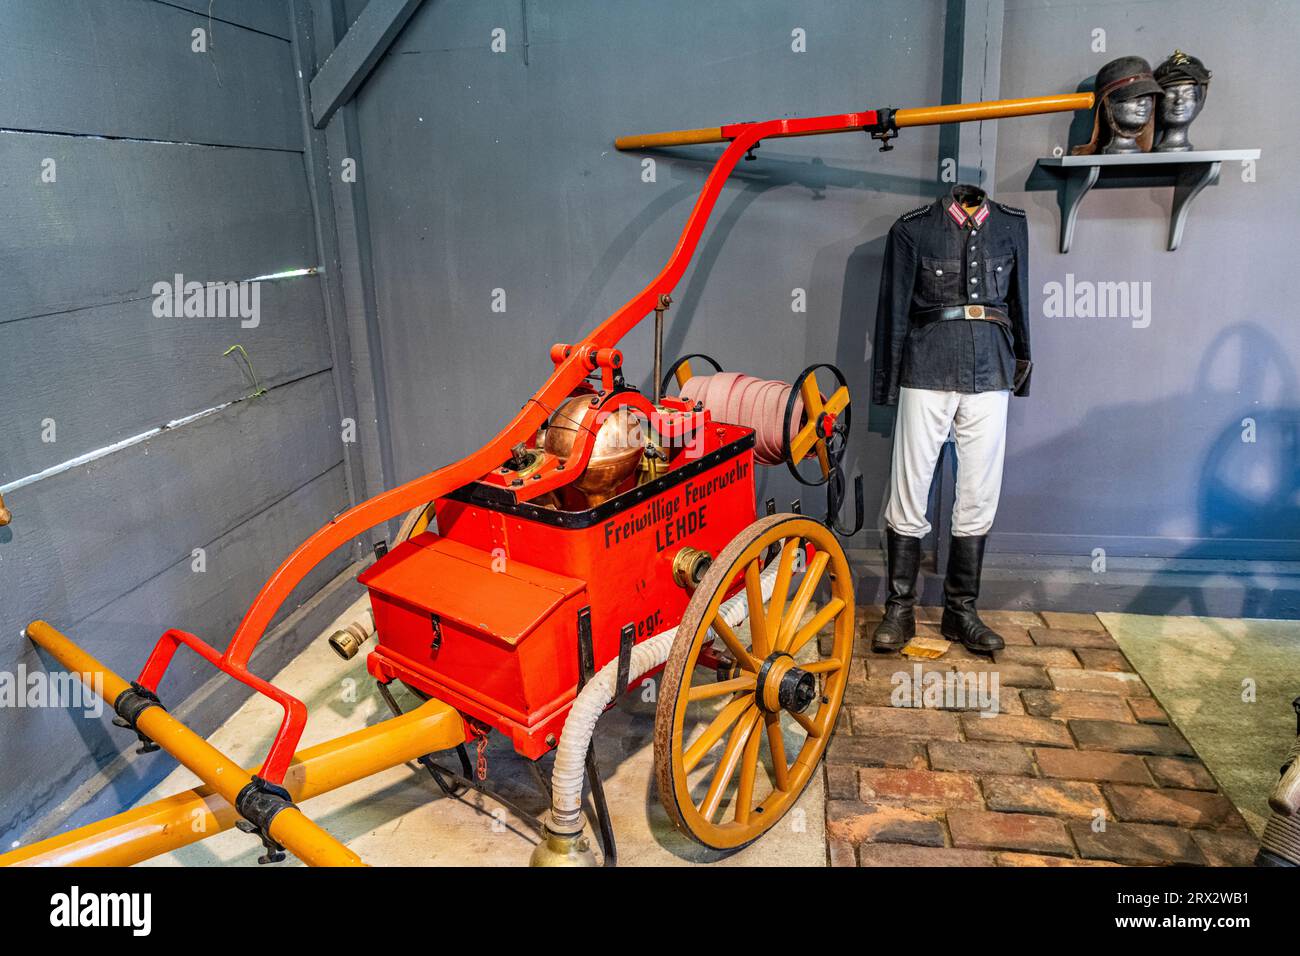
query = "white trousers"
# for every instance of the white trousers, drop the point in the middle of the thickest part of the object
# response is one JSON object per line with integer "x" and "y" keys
{"x": 978, "y": 421}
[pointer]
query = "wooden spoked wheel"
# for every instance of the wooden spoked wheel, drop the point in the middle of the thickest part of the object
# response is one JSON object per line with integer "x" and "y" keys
{"x": 735, "y": 748}
{"x": 416, "y": 522}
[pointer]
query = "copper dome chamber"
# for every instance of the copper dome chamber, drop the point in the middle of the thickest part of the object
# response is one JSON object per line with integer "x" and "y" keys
{"x": 615, "y": 454}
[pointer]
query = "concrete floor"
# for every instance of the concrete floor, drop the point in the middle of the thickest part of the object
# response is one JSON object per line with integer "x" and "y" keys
{"x": 400, "y": 818}
{"x": 1201, "y": 669}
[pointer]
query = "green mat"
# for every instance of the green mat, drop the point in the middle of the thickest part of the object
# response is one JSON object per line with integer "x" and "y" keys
{"x": 1203, "y": 671}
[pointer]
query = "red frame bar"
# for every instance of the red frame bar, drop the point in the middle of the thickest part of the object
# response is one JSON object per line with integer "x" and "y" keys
{"x": 295, "y": 711}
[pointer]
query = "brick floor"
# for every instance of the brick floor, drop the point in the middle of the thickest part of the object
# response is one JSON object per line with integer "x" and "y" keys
{"x": 1079, "y": 765}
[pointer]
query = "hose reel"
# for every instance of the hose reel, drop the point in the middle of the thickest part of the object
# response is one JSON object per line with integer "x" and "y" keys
{"x": 792, "y": 423}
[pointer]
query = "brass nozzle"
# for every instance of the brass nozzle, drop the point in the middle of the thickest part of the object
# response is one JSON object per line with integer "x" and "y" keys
{"x": 348, "y": 641}
{"x": 5, "y": 514}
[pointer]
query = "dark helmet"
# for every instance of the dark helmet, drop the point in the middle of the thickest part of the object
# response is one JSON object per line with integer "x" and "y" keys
{"x": 1124, "y": 78}
{"x": 1181, "y": 68}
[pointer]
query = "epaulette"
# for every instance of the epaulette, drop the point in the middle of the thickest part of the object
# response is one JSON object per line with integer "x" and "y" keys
{"x": 1009, "y": 210}
{"x": 919, "y": 211}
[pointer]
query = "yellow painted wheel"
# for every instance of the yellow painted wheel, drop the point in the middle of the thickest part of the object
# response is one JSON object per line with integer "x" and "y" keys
{"x": 735, "y": 749}
{"x": 415, "y": 522}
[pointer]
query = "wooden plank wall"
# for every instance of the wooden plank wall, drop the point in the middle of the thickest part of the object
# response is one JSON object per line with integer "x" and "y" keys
{"x": 166, "y": 161}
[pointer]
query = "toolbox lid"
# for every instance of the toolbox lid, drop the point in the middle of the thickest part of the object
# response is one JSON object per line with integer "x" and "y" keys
{"x": 460, "y": 583}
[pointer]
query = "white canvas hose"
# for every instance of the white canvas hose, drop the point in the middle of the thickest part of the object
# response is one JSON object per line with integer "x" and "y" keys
{"x": 571, "y": 755}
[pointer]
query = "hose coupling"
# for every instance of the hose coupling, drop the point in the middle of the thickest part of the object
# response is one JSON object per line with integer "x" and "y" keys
{"x": 348, "y": 641}
{"x": 689, "y": 567}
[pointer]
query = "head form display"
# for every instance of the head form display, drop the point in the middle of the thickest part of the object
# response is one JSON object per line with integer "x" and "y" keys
{"x": 1126, "y": 106}
{"x": 1185, "y": 82}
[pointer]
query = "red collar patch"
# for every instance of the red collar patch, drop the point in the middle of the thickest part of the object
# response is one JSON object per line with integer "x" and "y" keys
{"x": 962, "y": 218}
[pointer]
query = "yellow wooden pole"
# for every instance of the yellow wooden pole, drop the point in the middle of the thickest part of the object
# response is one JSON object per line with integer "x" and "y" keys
{"x": 914, "y": 116}
{"x": 176, "y": 821}
{"x": 290, "y": 827}
{"x": 992, "y": 109}
{"x": 677, "y": 137}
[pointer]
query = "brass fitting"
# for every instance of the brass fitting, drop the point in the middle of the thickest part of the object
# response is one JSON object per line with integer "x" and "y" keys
{"x": 689, "y": 567}
{"x": 348, "y": 641}
{"x": 5, "y": 514}
{"x": 563, "y": 849}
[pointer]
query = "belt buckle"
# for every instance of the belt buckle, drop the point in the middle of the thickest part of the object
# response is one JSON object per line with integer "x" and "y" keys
{"x": 973, "y": 311}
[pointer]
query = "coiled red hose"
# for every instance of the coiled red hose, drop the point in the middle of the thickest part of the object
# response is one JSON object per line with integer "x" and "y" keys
{"x": 756, "y": 403}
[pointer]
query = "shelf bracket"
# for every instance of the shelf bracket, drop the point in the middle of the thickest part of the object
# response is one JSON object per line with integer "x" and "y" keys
{"x": 1188, "y": 186}
{"x": 1078, "y": 180}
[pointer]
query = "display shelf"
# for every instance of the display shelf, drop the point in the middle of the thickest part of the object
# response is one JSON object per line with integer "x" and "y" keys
{"x": 1188, "y": 173}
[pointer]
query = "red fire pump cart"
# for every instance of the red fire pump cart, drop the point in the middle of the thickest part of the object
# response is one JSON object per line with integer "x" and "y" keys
{"x": 601, "y": 537}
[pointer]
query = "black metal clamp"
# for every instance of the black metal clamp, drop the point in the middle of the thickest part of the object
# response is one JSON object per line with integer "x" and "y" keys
{"x": 884, "y": 129}
{"x": 258, "y": 804}
{"x": 130, "y": 704}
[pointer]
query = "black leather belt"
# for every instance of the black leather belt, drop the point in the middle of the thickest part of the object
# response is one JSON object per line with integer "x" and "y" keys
{"x": 968, "y": 312}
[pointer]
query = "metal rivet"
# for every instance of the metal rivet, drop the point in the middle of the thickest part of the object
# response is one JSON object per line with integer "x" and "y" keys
{"x": 976, "y": 296}
{"x": 938, "y": 272}
{"x": 999, "y": 268}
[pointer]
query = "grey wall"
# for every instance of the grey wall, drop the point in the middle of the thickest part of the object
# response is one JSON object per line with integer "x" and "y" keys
{"x": 1135, "y": 441}
{"x": 485, "y": 170}
{"x": 167, "y": 161}
{"x": 1132, "y": 440}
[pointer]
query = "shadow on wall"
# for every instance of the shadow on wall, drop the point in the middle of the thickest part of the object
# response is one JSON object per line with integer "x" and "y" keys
{"x": 1249, "y": 484}
{"x": 1247, "y": 493}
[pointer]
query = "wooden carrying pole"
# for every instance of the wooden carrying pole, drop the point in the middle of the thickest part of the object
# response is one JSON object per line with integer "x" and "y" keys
{"x": 913, "y": 116}
{"x": 289, "y": 827}
{"x": 142, "y": 833}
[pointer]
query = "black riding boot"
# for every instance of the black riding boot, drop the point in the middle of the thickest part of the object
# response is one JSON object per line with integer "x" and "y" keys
{"x": 960, "y": 589}
{"x": 898, "y": 625}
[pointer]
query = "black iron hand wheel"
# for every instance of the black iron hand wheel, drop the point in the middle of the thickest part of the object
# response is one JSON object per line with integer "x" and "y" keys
{"x": 681, "y": 370}
{"x": 823, "y": 432}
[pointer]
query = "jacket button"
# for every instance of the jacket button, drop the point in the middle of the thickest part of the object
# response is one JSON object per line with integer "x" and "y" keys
{"x": 938, "y": 272}
{"x": 999, "y": 268}
{"x": 973, "y": 281}
{"x": 975, "y": 296}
